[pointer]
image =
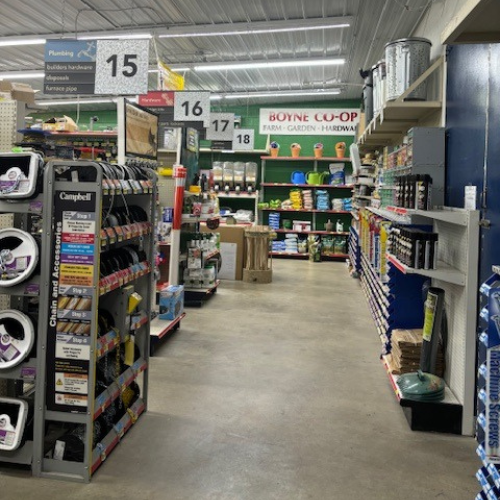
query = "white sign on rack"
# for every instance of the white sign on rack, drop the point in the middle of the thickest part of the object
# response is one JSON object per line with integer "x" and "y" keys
{"x": 221, "y": 127}
{"x": 122, "y": 67}
{"x": 228, "y": 256}
{"x": 192, "y": 106}
{"x": 243, "y": 139}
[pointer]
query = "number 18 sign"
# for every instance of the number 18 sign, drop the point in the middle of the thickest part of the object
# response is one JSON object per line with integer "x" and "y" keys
{"x": 122, "y": 67}
{"x": 243, "y": 139}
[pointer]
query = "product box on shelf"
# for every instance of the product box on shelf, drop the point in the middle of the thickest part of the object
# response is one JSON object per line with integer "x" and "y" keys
{"x": 60, "y": 124}
{"x": 232, "y": 234}
{"x": 301, "y": 225}
{"x": 171, "y": 302}
{"x": 18, "y": 91}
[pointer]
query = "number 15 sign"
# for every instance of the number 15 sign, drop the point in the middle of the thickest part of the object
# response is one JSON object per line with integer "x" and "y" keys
{"x": 122, "y": 67}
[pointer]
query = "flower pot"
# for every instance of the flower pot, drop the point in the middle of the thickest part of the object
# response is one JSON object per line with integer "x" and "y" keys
{"x": 295, "y": 152}
{"x": 318, "y": 153}
{"x": 340, "y": 149}
{"x": 275, "y": 152}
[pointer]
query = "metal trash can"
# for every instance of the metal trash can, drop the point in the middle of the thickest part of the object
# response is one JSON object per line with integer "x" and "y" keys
{"x": 406, "y": 60}
{"x": 367, "y": 93}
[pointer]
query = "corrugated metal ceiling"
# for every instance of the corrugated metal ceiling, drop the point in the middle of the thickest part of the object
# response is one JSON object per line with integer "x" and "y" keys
{"x": 375, "y": 22}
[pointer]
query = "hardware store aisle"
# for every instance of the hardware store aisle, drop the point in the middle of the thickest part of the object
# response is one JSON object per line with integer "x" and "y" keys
{"x": 273, "y": 392}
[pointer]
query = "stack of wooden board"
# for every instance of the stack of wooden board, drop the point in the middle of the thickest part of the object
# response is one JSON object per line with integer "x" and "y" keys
{"x": 405, "y": 354}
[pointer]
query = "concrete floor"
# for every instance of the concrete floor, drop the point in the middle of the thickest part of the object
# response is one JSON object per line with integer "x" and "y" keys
{"x": 273, "y": 392}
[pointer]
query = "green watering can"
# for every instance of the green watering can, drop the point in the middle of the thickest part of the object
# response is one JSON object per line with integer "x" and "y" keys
{"x": 316, "y": 178}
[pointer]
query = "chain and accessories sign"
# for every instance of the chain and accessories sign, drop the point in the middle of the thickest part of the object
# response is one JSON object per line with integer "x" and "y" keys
{"x": 100, "y": 67}
{"x": 72, "y": 294}
{"x": 308, "y": 121}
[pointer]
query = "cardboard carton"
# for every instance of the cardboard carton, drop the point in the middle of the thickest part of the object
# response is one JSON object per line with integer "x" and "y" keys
{"x": 171, "y": 302}
{"x": 18, "y": 91}
{"x": 232, "y": 234}
{"x": 60, "y": 124}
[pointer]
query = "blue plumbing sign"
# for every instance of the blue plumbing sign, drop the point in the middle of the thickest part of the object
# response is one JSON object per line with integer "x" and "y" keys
{"x": 70, "y": 67}
{"x": 101, "y": 67}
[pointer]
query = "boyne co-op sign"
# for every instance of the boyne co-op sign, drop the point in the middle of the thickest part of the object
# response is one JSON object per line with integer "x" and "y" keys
{"x": 308, "y": 121}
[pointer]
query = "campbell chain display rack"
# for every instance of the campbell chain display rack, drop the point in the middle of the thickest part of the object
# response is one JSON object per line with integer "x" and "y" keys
{"x": 74, "y": 348}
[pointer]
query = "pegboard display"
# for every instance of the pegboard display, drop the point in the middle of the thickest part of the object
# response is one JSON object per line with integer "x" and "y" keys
{"x": 11, "y": 119}
{"x": 453, "y": 250}
{"x": 458, "y": 247}
{"x": 457, "y": 275}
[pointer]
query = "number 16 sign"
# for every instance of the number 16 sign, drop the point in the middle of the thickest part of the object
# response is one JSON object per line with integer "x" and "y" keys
{"x": 192, "y": 106}
{"x": 122, "y": 67}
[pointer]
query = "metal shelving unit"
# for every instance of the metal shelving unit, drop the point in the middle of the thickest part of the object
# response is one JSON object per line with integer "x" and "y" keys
{"x": 304, "y": 211}
{"x": 396, "y": 117}
{"x": 314, "y": 213}
{"x": 16, "y": 297}
{"x": 160, "y": 329}
{"x": 310, "y": 186}
{"x": 458, "y": 249}
{"x": 444, "y": 272}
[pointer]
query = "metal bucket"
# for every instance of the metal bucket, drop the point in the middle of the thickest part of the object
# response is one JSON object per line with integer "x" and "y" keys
{"x": 381, "y": 70}
{"x": 406, "y": 60}
{"x": 376, "y": 90}
{"x": 391, "y": 58}
{"x": 367, "y": 94}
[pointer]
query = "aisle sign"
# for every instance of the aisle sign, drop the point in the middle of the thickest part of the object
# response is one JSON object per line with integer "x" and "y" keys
{"x": 308, "y": 121}
{"x": 160, "y": 100}
{"x": 122, "y": 67}
{"x": 221, "y": 127}
{"x": 243, "y": 139}
{"x": 192, "y": 106}
{"x": 69, "y": 67}
{"x": 96, "y": 67}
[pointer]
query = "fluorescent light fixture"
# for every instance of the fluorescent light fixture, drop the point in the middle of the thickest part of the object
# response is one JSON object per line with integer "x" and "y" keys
{"x": 254, "y": 31}
{"x": 21, "y": 75}
{"x": 179, "y": 70}
{"x": 65, "y": 102}
{"x": 215, "y": 97}
{"x": 131, "y": 36}
{"x": 270, "y": 64}
{"x": 284, "y": 93}
{"x": 14, "y": 42}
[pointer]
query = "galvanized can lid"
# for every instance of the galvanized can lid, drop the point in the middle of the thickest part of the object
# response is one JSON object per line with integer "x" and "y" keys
{"x": 406, "y": 40}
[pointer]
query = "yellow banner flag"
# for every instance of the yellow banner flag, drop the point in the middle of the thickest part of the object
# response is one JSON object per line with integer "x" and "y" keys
{"x": 168, "y": 79}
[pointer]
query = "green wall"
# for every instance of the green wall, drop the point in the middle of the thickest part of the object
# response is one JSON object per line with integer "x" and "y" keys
{"x": 250, "y": 119}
